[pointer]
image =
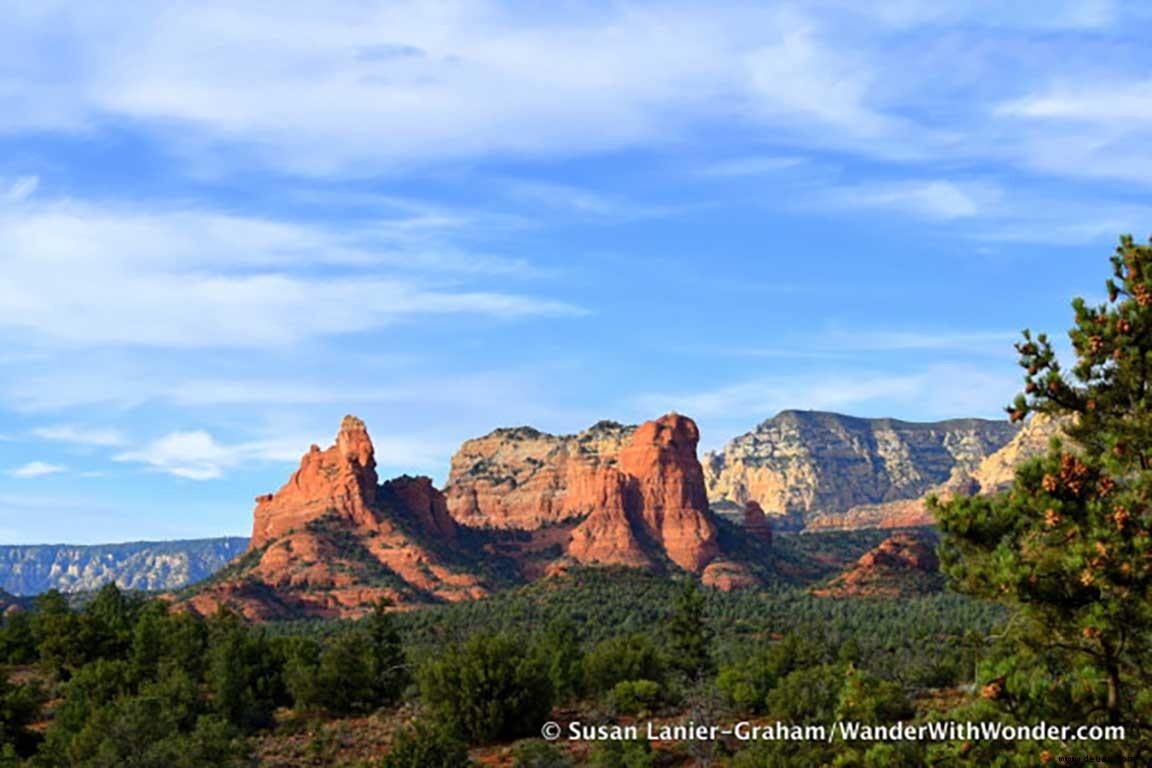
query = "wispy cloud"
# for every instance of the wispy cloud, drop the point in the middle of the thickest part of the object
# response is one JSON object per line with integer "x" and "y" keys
{"x": 1088, "y": 126}
{"x": 20, "y": 189}
{"x": 476, "y": 79}
{"x": 201, "y": 279}
{"x": 933, "y": 199}
{"x": 937, "y": 391}
{"x": 753, "y": 165}
{"x": 833, "y": 343}
{"x": 35, "y": 469}
{"x": 81, "y": 435}
{"x": 393, "y": 86}
{"x": 798, "y": 76}
{"x": 198, "y": 455}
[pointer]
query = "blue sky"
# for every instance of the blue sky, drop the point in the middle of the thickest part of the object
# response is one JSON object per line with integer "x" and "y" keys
{"x": 225, "y": 225}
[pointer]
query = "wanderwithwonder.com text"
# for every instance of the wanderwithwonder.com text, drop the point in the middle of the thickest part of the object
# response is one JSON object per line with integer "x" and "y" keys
{"x": 841, "y": 730}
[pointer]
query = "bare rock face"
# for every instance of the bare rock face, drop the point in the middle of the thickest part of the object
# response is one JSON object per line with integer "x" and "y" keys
{"x": 998, "y": 470}
{"x": 609, "y": 534}
{"x": 520, "y": 478}
{"x": 635, "y": 495}
{"x": 995, "y": 473}
{"x": 425, "y": 506}
{"x": 901, "y": 565}
{"x": 339, "y": 481}
{"x": 331, "y": 542}
{"x": 802, "y": 465}
{"x": 728, "y": 576}
{"x": 653, "y": 499}
{"x": 669, "y": 483}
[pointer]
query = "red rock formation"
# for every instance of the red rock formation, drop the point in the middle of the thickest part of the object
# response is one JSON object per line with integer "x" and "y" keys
{"x": 655, "y": 497}
{"x": 727, "y": 576}
{"x": 635, "y": 495}
{"x": 340, "y": 481}
{"x": 756, "y": 523}
{"x": 331, "y": 543}
{"x": 901, "y": 564}
{"x": 423, "y": 504}
{"x": 525, "y": 479}
{"x": 607, "y": 535}
{"x": 670, "y": 482}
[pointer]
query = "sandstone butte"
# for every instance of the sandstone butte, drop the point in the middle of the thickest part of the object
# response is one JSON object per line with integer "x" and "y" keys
{"x": 332, "y": 541}
{"x": 631, "y": 496}
{"x": 900, "y": 565}
{"x": 655, "y": 493}
{"x": 520, "y": 478}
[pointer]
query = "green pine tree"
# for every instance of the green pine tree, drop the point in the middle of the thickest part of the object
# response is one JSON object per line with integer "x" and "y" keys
{"x": 1069, "y": 547}
{"x": 690, "y": 635}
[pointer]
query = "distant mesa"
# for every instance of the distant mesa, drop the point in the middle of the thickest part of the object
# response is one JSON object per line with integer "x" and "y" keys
{"x": 811, "y": 469}
{"x": 30, "y": 569}
{"x": 991, "y": 474}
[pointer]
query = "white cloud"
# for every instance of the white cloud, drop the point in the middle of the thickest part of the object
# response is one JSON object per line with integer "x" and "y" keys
{"x": 753, "y": 165}
{"x": 292, "y": 384}
{"x": 1087, "y": 126}
{"x": 932, "y": 199}
{"x": 799, "y": 77}
{"x": 385, "y": 85}
{"x": 20, "y": 189}
{"x": 35, "y": 469}
{"x": 81, "y": 436}
{"x": 85, "y": 275}
{"x": 937, "y": 391}
{"x": 832, "y": 343}
{"x": 1114, "y": 105}
{"x": 197, "y": 455}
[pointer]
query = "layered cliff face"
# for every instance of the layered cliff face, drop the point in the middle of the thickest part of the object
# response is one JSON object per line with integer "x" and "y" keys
{"x": 145, "y": 565}
{"x": 998, "y": 470}
{"x": 332, "y": 542}
{"x": 521, "y": 478}
{"x": 802, "y": 465}
{"x": 994, "y": 473}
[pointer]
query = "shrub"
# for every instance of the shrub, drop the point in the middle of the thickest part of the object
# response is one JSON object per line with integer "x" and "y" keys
{"x": 539, "y": 754}
{"x": 622, "y": 754}
{"x": 488, "y": 689}
{"x": 636, "y": 697}
{"x": 420, "y": 746}
{"x": 630, "y": 657}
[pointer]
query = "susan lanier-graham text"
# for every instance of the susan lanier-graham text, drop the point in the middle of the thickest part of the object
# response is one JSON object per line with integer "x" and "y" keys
{"x": 945, "y": 730}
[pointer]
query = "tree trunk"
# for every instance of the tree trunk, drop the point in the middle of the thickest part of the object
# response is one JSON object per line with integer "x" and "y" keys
{"x": 1113, "y": 670}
